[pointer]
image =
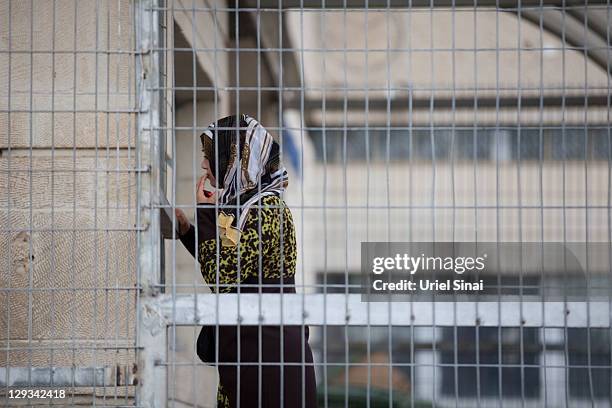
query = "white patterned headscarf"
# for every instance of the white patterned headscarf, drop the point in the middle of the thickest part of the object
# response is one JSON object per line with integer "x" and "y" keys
{"x": 247, "y": 160}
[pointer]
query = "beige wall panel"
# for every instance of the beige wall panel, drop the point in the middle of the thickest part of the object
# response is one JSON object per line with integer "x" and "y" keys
{"x": 99, "y": 77}
{"x": 413, "y": 48}
{"x": 67, "y": 245}
{"x": 74, "y": 315}
{"x": 114, "y": 21}
{"x": 34, "y": 29}
{"x": 67, "y": 102}
{"x": 122, "y": 220}
{"x": 88, "y": 261}
{"x": 67, "y": 130}
{"x": 54, "y": 185}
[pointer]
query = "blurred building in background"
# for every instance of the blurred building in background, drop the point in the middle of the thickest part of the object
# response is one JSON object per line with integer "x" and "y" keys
{"x": 454, "y": 125}
{"x": 406, "y": 124}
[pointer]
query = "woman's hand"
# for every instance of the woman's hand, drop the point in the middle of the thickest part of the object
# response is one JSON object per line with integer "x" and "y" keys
{"x": 204, "y": 196}
{"x": 183, "y": 221}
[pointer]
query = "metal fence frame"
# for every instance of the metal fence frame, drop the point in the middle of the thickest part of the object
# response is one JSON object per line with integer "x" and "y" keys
{"x": 158, "y": 311}
{"x": 151, "y": 329}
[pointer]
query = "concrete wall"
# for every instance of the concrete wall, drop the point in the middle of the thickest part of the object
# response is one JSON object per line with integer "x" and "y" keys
{"x": 66, "y": 224}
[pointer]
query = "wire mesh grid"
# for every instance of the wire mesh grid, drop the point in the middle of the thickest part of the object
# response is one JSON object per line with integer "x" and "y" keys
{"x": 397, "y": 121}
{"x": 68, "y": 208}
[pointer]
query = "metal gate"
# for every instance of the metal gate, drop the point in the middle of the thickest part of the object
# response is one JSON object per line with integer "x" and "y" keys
{"x": 398, "y": 121}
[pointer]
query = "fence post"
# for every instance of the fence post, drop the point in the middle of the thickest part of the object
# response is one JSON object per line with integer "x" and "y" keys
{"x": 151, "y": 327}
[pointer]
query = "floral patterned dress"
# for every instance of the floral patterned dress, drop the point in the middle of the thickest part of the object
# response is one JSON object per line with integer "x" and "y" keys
{"x": 265, "y": 257}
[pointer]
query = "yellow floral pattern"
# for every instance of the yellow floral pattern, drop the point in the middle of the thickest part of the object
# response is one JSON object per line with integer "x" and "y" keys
{"x": 222, "y": 399}
{"x": 273, "y": 251}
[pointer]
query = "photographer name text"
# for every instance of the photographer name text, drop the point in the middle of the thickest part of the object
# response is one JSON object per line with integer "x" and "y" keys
{"x": 428, "y": 285}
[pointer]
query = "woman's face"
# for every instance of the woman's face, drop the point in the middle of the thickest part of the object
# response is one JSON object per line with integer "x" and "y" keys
{"x": 208, "y": 171}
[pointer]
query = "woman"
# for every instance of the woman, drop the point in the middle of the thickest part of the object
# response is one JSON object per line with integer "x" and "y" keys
{"x": 250, "y": 241}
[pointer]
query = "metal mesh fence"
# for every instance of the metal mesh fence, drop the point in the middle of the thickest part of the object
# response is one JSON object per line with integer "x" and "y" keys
{"x": 452, "y": 121}
{"x": 68, "y": 202}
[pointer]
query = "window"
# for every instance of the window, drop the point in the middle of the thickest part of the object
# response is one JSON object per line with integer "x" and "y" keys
{"x": 335, "y": 282}
{"x": 334, "y": 145}
{"x": 581, "y": 377}
{"x": 580, "y": 144}
{"x": 345, "y": 349}
{"x": 479, "y": 365}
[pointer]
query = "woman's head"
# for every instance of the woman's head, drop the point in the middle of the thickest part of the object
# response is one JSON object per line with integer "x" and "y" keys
{"x": 241, "y": 156}
{"x": 217, "y": 142}
{"x": 208, "y": 171}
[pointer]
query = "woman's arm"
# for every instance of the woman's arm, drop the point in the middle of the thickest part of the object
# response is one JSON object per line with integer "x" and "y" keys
{"x": 186, "y": 231}
{"x": 206, "y": 218}
{"x": 206, "y": 229}
{"x": 188, "y": 240}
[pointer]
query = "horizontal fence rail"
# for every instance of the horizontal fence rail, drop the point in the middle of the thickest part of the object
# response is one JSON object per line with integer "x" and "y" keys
{"x": 67, "y": 376}
{"x": 348, "y": 310}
